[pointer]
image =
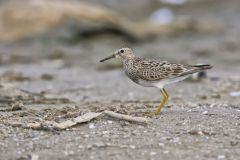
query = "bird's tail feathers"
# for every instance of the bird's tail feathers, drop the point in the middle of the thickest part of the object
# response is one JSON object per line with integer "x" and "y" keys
{"x": 202, "y": 67}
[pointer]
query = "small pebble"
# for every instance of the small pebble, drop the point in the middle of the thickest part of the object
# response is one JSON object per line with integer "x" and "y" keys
{"x": 91, "y": 125}
{"x": 86, "y": 135}
{"x": 221, "y": 156}
{"x": 175, "y": 140}
{"x": 205, "y": 112}
{"x": 109, "y": 122}
{"x": 161, "y": 144}
{"x": 89, "y": 146}
{"x": 152, "y": 153}
{"x": 80, "y": 147}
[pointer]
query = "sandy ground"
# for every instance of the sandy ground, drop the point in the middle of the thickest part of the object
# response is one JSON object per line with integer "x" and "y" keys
{"x": 49, "y": 80}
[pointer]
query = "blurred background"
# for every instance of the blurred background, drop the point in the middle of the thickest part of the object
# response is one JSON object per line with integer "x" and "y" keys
{"x": 54, "y": 46}
{"x": 50, "y": 72}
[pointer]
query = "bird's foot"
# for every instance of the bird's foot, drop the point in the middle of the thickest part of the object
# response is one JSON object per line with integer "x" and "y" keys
{"x": 150, "y": 114}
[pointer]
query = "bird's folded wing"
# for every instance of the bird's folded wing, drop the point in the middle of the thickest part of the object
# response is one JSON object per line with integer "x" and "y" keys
{"x": 153, "y": 70}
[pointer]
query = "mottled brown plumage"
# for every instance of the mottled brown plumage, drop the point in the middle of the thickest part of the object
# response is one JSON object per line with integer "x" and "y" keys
{"x": 157, "y": 70}
{"x": 154, "y": 73}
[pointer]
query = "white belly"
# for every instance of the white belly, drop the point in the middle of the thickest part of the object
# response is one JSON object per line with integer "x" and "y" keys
{"x": 162, "y": 83}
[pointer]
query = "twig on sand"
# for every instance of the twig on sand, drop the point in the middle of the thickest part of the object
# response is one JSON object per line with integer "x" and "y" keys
{"x": 126, "y": 117}
{"x": 52, "y": 125}
{"x": 91, "y": 115}
{"x": 80, "y": 119}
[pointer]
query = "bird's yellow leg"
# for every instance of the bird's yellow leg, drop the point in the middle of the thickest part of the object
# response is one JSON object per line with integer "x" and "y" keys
{"x": 166, "y": 93}
{"x": 158, "y": 111}
{"x": 165, "y": 98}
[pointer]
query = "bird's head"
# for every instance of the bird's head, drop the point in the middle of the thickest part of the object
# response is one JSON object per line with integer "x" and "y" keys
{"x": 123, "y": 53}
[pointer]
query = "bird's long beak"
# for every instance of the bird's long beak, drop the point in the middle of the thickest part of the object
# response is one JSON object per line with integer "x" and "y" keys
{"x": 107, "y": 58}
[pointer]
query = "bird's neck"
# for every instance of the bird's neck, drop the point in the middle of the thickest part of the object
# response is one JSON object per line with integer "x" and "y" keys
{"x": 127, "y": 60}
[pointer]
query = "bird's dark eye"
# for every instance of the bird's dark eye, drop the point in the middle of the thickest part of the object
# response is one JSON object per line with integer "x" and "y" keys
{"x": 121, "y": 51}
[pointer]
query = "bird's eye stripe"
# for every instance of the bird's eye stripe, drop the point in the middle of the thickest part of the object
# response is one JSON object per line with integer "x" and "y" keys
{"x": 121, "y": 50}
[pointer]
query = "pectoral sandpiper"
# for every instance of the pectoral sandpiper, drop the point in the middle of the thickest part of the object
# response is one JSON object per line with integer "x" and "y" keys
{"x": 154, "y": 73}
